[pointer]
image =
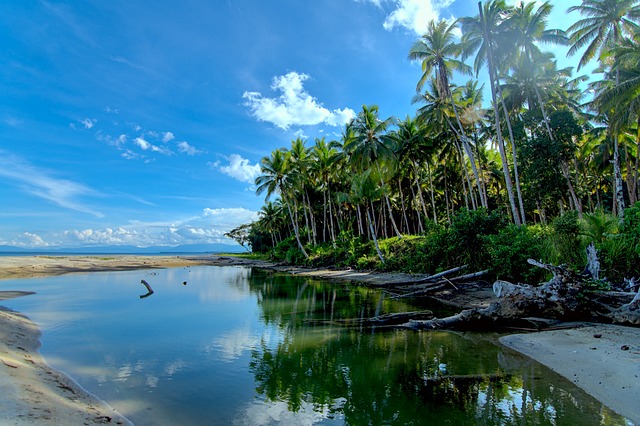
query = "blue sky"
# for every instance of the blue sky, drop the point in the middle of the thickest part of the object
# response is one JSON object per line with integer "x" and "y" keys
{"x": 143, "y": 123}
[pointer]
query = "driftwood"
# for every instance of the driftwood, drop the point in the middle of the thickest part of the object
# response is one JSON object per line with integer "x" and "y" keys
{"x": 434, "y": 283}
{"x": 149, "y": 289}
{"x": 628, "y": 314}
{"x": 567, "y": 296}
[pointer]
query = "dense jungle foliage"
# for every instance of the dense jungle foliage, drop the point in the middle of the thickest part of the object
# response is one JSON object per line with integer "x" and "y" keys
{"x": 540, "y": 173}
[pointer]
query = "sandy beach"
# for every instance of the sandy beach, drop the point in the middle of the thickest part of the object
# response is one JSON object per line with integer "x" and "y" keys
{"x": 603, "y": 360}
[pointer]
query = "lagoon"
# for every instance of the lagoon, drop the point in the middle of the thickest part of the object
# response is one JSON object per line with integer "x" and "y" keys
{"x": 240, "y": 346}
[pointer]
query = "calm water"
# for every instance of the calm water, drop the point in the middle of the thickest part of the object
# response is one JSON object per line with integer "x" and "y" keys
{"x": 236, "y": 346}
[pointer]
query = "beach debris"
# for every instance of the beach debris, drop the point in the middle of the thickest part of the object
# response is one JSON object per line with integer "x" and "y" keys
{"x": 8, "y": 364}
{"x": 149, "y": 289}
{"x": 568, "y": 296}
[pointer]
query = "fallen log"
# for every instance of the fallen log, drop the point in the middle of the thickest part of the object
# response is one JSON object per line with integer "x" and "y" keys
{"x": 428, "y": 278}
{"x": 628, "y": 314}
{"x": 559, "y": 298}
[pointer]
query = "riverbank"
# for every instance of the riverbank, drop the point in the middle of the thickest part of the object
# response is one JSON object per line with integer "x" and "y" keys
{"x": 32, "y": 392}
{"x": 608, "y": 372}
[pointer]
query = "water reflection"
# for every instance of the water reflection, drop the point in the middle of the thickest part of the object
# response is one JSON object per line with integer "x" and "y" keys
{"x": 237, "y": 346}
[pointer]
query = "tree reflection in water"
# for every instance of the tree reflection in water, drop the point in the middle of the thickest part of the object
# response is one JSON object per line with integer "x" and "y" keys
{"x": 373, "y": 376}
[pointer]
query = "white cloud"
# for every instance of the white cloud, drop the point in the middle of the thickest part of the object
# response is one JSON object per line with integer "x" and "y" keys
{"x": 239, "y": 169}
{"x": 27, "y": 240}
{"x": 207, "y": 227}
{"x": 167, "y": 136}
{"x": 413, "y": 15}
{"x": 145, "y": 146}
{"x": 88, "y": 122}
{"x": 108, "y": 236}
{"x": 38, "y": 182}
{"x": 230, "y": 218}
{"x": 185, "y": 148}
{"x": 294, "y": 106}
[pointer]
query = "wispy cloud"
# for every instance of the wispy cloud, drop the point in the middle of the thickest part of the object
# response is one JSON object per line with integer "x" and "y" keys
{"x": 40, "y": 183}
{"x": 185, "y": 148}
{"x": 294, "y": 106}
{"x": 85, "y": 123}
{"x": 138, "y": 143}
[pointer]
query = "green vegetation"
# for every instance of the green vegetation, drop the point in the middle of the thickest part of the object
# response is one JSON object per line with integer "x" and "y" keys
{"x": 540, "y": 174}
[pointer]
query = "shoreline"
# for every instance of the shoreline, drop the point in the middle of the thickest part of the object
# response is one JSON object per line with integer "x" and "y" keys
{"x": 596, "y": 364}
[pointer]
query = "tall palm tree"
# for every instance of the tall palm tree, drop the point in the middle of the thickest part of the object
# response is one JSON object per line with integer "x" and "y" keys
{"x": 412, "y": 147}
{"x": 605, "y": 24}
{"x": 276, "y": 179}
{"x": 478, "y": 36}
{"x": 526, "y": 29}
{"x": 300, "y": 165}
{"x": 325, "y": 156}
{"x": 438, "y": 52}
{"x": 623, "y": 100}
{"x": 370, "y": 147}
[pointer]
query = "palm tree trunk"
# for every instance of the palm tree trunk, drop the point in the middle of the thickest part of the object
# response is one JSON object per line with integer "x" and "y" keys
{"x": 373, "y": 235}
{"x": 635, "y": 176}
{"x": 331, "y": 229}
{"x": 619, "y": 189}
{"x": 433, "y": 199}
{"x": 404, "y": 209}
{"x": 493, "y": 83}
{"x": 417, "y": 211}
{"x": 469, "y": 152}
{"x": 295, "y": 229}
{"x": 514, "y": 156}
{"x": 419, "y": 187}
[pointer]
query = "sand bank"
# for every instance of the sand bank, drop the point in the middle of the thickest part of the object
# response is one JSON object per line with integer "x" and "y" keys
{"x": 604, "y": 360}
{"x": 35, "y": 394}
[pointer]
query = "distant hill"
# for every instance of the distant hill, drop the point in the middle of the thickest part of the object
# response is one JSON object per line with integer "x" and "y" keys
{"x": 187, "y": 248}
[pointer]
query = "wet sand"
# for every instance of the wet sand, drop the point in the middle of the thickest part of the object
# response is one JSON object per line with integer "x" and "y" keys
{"x": 604, "y": 360}
{"x": 607, "y": 367}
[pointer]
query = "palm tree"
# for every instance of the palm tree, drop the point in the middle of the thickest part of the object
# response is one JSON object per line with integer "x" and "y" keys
{"x": 435, "y": 116}
{"x": 411, "y": 147}
{"x": 300, "y": 165}
{"x": 477, "y": 37}
{"x": 270, "y": 216}
{"x": 370, "y": 147}
{"x": 363, "y": 191}
{"x": 623, "y": 100}
{"x": 438, "y": 53}
{"x": 276, "y": 178}
{"x": 325, "y": 157}
{"x": 603, "y": 28}
{"x": 606, "y": 22}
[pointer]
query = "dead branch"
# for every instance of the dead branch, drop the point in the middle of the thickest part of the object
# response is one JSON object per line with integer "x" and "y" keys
{"x": 149, "y": 289}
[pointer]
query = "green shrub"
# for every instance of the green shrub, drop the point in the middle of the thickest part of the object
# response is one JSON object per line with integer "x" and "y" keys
{"x": 509, "y": 251}
{"x": 566, "y": 242}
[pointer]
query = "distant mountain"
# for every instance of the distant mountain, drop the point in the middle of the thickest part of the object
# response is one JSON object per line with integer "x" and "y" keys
{"x": 187, "y": 248}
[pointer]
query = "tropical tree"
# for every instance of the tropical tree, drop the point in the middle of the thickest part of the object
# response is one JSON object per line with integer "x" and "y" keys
{"x": 478, "y": 36}
{"x": 370, "y": 146}
{"x": 605, "y": 25}
{"x": 276, "y": 178}
{"x": 438, "y": 52}
{"x": 325, "y": 156}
